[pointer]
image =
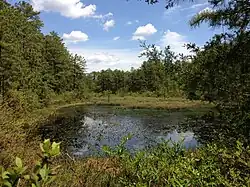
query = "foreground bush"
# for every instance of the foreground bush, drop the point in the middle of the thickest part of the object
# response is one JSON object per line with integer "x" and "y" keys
{"x": 41, "y": 174}
{"x": 175, "y": 166}
{"x": 164, "y": 165}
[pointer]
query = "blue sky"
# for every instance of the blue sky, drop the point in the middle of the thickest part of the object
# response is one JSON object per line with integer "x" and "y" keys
{"x": 106, "y": 32}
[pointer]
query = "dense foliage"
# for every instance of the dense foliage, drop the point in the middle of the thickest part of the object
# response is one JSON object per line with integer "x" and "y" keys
{"x": 33, "y": 66}
{"x": 161, "y": 74}
{"x": 220, "y": 71}
{"x": 174, "y": 166}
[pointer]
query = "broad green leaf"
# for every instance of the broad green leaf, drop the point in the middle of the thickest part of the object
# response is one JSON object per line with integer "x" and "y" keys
{"x": 5, "y": 175}
{"x": 55, "y": 151}
{"x": 22, "y": 170}
{"x": 7, "y": 183}
{"x": 46, "y": 145}
{"x": 44, "y": 172}
{"x": 19, "y": 162}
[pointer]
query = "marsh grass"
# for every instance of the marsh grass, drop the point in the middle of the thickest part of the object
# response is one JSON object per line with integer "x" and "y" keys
{"x": 140, "y": 102}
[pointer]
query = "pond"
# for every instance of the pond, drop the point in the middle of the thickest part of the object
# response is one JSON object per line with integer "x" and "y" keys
{"x": 83, "y": 130}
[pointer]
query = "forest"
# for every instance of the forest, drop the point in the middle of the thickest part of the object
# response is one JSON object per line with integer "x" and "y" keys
{"x": 34, "y": 66}
{"x": 39, "y": 74}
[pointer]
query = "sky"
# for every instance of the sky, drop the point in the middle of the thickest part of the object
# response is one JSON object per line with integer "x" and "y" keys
{"x": 107, "y": 32}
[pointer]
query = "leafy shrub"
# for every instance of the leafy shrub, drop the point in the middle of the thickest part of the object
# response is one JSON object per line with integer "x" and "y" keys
{"x": 119, "y": 150}
{"x": 24, "y": 100}
{"x": 83, "y": 94}
{"x": 47, "y": 97}
{"x": 41, "y": 175}
{"x": 167, "y": 165}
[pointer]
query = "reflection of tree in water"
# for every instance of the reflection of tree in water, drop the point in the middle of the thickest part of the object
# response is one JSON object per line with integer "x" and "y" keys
{"x": 64, "y": 127}
{"x": 209, "y": 130}
{"x": 158, "y": 124}
{"x": 166, "y": 128}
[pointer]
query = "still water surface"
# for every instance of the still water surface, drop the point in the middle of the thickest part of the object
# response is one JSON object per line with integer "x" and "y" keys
{"x": 86, "y": 131}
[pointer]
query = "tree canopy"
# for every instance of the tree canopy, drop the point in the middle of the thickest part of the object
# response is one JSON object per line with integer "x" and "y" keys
{"x": 33, "y": 65}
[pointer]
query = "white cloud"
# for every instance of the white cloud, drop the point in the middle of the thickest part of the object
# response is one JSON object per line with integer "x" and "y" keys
{"x": 207, "y": 9}
{"x": 103, "y": 16}
{"x": 132, "y": 22}
{"x": 68, "y": 8}
{"x": 169, "y": 11}
{"x": 98, "y": 59}
{"x": 143, "y": 31}
{"x": 102, "y": 58}
{"x": 129, "y": 23}
{"x": 195, "y": 6}
{"x": 108, "y": 24}
{"x": 199, "y": 5}
{"x": 75, "y": 36}
{"x": 116, "y": 38}
{"x": 146, "y": 30}
{"x": 176, "y": 41}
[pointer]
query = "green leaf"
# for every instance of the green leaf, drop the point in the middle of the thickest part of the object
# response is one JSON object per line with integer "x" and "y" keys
{"x": 46, "y": 145}
{"x": 44, "y": 172}
{"x": 22, "y": 170}
{"x": 107, "y": 149}
{"x": 35, "y": 177}
{"x": 5, "y": 175}
{"x": 33, "y": 185}
{"x": 19, "y": 162}
{"x": 41, "y": 147}
{"x": 7, "y": 183}
{"x": 26, "y": 177}
{"x": 55, "y": 151}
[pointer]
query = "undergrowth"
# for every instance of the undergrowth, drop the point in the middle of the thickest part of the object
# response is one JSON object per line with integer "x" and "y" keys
{"x": 174, "y": 166}
{"x": 164, "y": 165}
